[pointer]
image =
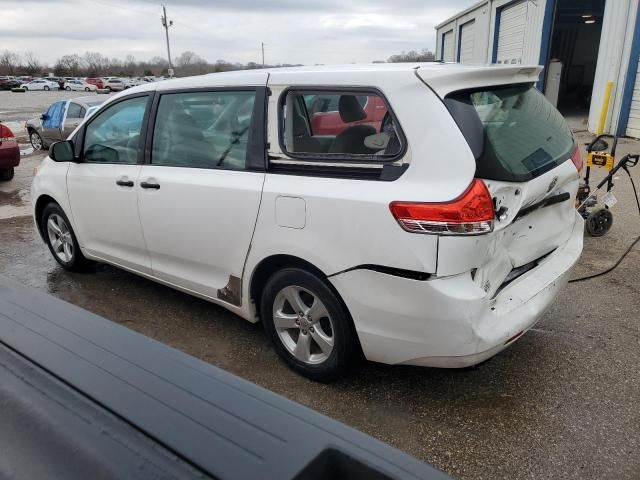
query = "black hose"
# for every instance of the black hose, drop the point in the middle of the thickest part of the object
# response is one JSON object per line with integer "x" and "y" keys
{"x": 622, "y": 257}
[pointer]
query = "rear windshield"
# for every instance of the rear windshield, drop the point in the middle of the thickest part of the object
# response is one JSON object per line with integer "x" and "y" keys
{"x": 513, "y": 131}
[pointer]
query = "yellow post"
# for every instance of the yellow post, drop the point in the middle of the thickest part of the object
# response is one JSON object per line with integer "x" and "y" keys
{"x": 605, "y": 107}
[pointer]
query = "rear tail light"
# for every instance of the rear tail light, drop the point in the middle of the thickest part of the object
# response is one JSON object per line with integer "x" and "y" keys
{"x": 470, "y": 214}
{"x": 6, "y": 134}
{"x": 576, "y": 158}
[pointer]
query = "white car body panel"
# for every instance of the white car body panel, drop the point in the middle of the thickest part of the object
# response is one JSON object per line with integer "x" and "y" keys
{"x": 206, "y": 229}
{"x": 220, "y": 217}
{"x": 107, "y": 221}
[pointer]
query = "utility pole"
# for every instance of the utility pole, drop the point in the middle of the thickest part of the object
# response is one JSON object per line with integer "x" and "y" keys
{"x": 166, "y": 24}
{"x": 262, "y": 54}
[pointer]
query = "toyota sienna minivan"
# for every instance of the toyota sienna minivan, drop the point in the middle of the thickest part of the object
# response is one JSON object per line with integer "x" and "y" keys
{"x": 437, "y": 238}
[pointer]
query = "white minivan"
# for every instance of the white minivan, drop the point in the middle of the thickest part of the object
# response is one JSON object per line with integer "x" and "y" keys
{"x": 417, "y": 214}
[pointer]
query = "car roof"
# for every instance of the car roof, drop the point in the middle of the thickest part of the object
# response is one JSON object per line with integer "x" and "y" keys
{"x": 89, "y": 101}
{"x": 441, "y": 77}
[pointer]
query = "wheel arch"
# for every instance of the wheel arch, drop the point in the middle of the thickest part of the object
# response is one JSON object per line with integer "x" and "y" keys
{"x": 42, "y": 201}
{"x": 274, "y": 263}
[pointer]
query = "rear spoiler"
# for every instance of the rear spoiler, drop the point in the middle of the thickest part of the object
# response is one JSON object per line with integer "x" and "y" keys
{"x": 451, "y": 78}
{"x": 84, "y": 397}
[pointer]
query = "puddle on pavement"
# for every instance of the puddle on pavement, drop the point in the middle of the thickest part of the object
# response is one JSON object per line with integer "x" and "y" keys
{"x": 14, "y": 199}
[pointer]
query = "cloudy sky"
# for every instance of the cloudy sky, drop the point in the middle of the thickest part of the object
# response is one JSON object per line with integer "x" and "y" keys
{"x": 294, "y": 31}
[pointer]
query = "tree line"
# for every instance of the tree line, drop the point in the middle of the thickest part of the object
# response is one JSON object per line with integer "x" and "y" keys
{"x": 94, "y": 64}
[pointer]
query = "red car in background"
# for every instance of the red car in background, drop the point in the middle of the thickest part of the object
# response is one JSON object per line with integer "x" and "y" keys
{"x": 9, "y": 153}
{"x": 98, "y": 82}
{"x": 325, "y": 118}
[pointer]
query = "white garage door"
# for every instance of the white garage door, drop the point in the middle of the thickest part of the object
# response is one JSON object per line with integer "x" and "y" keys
{"x": 466, "y": 42}
{"x": 447, "y": 47}
{"x": 511, "y": 33}
{"x": 633, "y": 126}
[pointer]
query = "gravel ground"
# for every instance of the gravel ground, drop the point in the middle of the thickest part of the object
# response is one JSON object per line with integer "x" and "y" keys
{"x": 562, "y": 402}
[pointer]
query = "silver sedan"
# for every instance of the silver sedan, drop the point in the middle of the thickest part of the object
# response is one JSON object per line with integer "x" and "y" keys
{"x": 60, "y": 120}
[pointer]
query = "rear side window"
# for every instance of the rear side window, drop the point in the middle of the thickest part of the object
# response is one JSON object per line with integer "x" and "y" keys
{"x": 513, "y": 131}
{"x": 338, "y": 125}
{"x": 75, "y": 111}
{"x": 203, "y": 129}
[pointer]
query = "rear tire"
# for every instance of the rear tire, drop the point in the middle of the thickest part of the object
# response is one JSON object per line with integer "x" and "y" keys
{"x": 68, "y": 89}
{"x": 46, "y": 88}
{"x": 310, "y": 328}
{"x": 87, "y": 89}
{"x": 61, "y": 240}
{"x": 7, "y": 174}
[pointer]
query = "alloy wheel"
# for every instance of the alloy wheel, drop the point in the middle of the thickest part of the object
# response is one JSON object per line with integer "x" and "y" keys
{"x": 36, "y": 141}
{"x": 303, "y": 324}
{"x": 60, "y": 238}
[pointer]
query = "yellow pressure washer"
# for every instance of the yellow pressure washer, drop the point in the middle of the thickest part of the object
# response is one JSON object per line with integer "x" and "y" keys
{"x": 599, "y": 219}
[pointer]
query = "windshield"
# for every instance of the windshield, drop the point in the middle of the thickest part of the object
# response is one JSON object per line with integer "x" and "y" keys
{"x": 514, "y": 132}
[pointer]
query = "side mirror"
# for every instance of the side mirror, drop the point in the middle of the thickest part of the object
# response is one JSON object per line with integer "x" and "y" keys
{"x": 62, "y": 151}
{"x": 43, "y": 117}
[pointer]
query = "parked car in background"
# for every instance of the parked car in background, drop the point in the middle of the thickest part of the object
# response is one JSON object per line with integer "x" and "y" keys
{"x": 58, "y": 80}
{"x": 9, "y": 153}
{"x": 8, "y": 84}
{"x": 40, "y": 84}
{"x": 325, "y": 113}
{"x": 470, "y": 246}
{"x": 115, "y": 85}
{"x": 60, "y": 120}
{"x": 79, "y": 85}
{"x": 98, "y": 82}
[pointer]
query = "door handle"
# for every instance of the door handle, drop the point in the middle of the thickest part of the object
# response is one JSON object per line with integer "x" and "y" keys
{"x": 154, "y": 186}
{"x": 125, "y": 183}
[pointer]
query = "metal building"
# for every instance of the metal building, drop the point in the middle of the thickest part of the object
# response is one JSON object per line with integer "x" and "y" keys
{"x": 583, "y": 44}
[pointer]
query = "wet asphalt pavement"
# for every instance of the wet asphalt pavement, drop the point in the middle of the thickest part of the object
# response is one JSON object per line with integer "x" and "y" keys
{"x": 562, "y": 402}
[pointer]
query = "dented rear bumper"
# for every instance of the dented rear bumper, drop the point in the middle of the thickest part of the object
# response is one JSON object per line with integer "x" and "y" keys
{"x": 451, "y": 322}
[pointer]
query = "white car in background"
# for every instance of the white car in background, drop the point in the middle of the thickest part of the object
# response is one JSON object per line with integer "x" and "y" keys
{"x": 40, "y": 84}
{"x": 79, "y": 86}
{"x": 115, "y": 84}
{"x": 435, "y": 234}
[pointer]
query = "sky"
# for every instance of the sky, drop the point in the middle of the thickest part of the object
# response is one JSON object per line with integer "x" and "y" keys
{"x": 294, "y": 31}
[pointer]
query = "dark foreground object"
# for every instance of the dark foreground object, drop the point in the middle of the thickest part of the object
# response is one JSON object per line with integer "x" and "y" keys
{"x": 82, "y": 397}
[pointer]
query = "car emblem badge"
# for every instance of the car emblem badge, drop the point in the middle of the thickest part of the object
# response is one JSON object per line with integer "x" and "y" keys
{"x": 552, "y": 184}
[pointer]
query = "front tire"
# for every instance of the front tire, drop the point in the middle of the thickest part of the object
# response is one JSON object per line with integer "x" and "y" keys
{"x": 36, "y": 140}
{"x": 87, "y": 89}
{"x": 46, "y": 88}
{"x": 7, "y": 174}
{"x": 61, "y": 240}
{"x": 68, "y": 89}
{"x": 309, "y": 326}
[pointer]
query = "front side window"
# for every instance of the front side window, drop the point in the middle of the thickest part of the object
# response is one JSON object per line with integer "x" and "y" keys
{"x": 339, "y": 125}
{"x": 203, "y": 129}
{"x": 114, "y": 135}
